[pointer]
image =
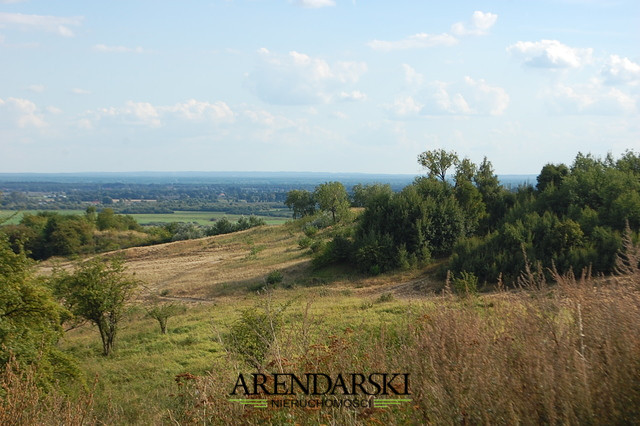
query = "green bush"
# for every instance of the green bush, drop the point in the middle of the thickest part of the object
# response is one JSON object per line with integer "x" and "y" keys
{"x": 274, "y": 277}
{"x": 466, "y": 284}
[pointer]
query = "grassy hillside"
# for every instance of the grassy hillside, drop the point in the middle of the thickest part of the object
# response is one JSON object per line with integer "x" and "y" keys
{"x": 563, "y": 354}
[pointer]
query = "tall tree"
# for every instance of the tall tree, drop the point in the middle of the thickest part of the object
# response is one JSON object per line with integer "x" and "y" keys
{"x": 332, "y": 197}
{"x": 97, "y": 291}
{"x": 438, "y": 162}
{"x": 301, "y": 202}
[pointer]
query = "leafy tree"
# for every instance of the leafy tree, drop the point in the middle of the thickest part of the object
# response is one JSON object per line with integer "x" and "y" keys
{"x": 106, "y": 219}
{"x": 364, "y": 194}
{"x": 438, "y": 162}
{"x": 30, "y": 318}
{"x": 465, "y": 171}
{"x": 67, "y": 235}
{"x": 551, "y": 174}
{"x": 97, "y": 291}
{"x": 301, "y": 202}
{"x": 332, "y": 197}
{"x": 161, "y": 312}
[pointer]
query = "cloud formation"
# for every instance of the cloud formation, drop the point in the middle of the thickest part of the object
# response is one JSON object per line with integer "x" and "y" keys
{"x": 117, "y": 49}
{"x": 299, "y": 79}
{"x": 416, "y": 41}
{"x": 469, "y": 97}
{"x": 550, "y": 54}
{"x": 22, "y": 113}
{"x": 148, "y": 115}
{"x": 480, "y": 24}
{"x": 315, "y": 4}
{"x": 591, "y": 99}
{"x": 619, "y": 70}
{"x": 52, "y": 24}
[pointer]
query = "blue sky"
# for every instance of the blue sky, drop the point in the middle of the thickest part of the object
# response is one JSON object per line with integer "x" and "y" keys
{"x": 314, "y": 85}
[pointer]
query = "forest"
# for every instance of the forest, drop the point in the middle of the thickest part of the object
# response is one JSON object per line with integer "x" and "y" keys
{"x": 574, "y": 218}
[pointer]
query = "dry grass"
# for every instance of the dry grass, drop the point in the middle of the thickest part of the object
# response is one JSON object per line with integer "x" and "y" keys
{"x": 567, "y": 355}
{"x": 23, "y": 402}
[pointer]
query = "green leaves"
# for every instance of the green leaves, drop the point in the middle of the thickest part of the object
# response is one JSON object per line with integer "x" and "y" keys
{"x": 97, "y": 291}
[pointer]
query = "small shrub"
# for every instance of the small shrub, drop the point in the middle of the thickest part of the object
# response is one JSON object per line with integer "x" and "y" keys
{"x": 310, "y": 231}
{"x": 304, "y": 243}
{"x": 385, "y": 297}
{"x": 466, "y": 285}
{"x": 317, "y": 246}
{"x": 274, "y": 278}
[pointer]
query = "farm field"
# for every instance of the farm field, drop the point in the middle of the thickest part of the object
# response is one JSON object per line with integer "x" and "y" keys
{"x": 201, "y": 218}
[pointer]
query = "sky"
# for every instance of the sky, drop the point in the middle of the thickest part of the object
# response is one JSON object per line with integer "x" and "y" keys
{"x": 314, "y": 85}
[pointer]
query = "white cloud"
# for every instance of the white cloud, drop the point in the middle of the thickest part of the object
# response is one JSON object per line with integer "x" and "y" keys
{"x": 619, "y": 70}
{"x": 201, "y": 111}
{"x": 480, "y": 24}
{"x": 146, "y": 114}
{"x": 356, "y": 95}
{"x": 315, "y": 4}
{"x": 36, "y": 88}
{"x": 299, "y": 79}
{"x": 406, "y": 106}
{"x": 591, "y": 99}
{"x": 469, "y": 97}
{"x": 416, "y": 41}
{"x": 117, "y": 49}
{"x": 22, "y": 112}
{"x": 485, "y": 98}
{"x": 53, "y": 24}
{"x": 550, "y": 54}
{"x": 411, "y": 76}
{"x": 53, "y": 110}
{"x": 78, "y": 91}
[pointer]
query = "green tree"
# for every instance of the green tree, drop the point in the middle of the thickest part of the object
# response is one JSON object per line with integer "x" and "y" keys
{"x": 106, "y": 219}
{"x": 30, "y": 317}
{"x": 364, "y": 194}
{"x": 97, "y": 291}
{"x": 301, "y": 202}
{"x": 465, "y": 171}
{"x": 551, "y": 174}
{"x": 161, "y": 312}
{"x": 332, "y": 197}
{"x": 438, "y": 162}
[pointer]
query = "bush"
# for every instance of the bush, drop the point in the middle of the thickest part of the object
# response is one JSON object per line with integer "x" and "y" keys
{"x": 304, "y": 242}
{"x": 274, "y": 278}
{"x": 466, "y": 285}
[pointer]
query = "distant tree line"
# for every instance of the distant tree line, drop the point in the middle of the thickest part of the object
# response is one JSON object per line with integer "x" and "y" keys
{"x": 572, "y": 219}
{"x": 48, "y": 234}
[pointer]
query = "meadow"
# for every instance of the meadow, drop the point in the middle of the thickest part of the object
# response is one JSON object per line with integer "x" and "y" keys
{"x": 564, "y": 353}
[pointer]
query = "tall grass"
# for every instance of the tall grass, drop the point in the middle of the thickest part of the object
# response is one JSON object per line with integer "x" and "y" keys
{"x": 563, "y": 355}
{"x": 24, "y": 402}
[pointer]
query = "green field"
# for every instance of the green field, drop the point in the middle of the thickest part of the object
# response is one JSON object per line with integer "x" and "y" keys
{"x": 201, "y": 218}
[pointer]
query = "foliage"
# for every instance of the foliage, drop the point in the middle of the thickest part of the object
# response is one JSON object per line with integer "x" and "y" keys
{"x": 466, "y": 284}
{"x": 573, "y": 220}
{"x": 274, "y": 278}
{"x": 332, "y": 197}
{"x": 301, "y": 202}
{"x": 162, "y": 311}
{"x": 438, "y": 162}
{"x": 97, "y": 291}
{"x": 30, "y": 319}
{"x": 254, "y": 333}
